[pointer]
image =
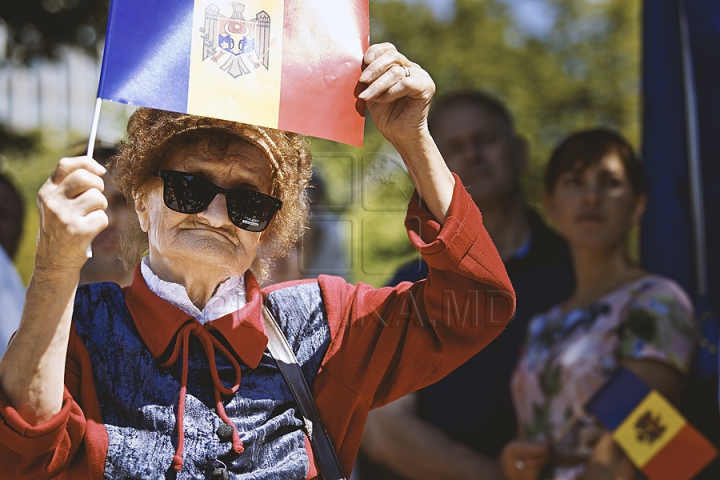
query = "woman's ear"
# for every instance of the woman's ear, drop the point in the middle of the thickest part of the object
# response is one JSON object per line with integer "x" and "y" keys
{"x": 141, "y": 208}
{"x": 639, "y": 209}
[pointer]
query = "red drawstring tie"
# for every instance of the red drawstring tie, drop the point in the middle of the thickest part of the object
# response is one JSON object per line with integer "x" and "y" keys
{"x": 208, "y": 342}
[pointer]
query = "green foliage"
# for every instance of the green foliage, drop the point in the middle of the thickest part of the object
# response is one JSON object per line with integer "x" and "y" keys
{"x": 371, "y": 190}
{"x": 39, "y": 28}
{"x": 584, "y": 73}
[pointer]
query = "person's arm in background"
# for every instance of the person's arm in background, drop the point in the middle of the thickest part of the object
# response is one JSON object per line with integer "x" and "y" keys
{"x": 397, "y": 438}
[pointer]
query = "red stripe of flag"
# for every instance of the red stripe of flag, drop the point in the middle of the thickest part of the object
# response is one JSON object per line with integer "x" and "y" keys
{"x": 684, "y": 456}
{"x": 321, "y": 79}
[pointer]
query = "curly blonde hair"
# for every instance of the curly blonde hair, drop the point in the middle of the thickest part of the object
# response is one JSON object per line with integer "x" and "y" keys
{"x": 154, "y": 136}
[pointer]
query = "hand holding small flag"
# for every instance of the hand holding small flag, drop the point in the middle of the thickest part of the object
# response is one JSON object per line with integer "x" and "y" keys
{"x": 652, "y": 433}
{"x": 524, "y": 460}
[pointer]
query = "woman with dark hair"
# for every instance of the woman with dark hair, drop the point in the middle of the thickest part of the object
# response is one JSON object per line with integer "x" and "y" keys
{"x": 618, "y": 315}
{"x": 170, "y": 377}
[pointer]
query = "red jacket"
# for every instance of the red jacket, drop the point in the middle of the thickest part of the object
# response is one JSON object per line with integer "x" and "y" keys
{"x": 385, "y": 343}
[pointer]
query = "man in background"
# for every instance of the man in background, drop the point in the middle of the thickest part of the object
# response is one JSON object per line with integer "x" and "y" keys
{"x": 457, "y": 427}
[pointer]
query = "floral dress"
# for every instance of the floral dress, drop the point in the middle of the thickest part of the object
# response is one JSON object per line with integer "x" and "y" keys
{"x": 569, "y": 355}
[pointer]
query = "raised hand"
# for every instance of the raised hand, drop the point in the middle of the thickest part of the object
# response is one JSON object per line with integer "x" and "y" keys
{"x": 72, "y": 212}
{"x": 398, "y": 94}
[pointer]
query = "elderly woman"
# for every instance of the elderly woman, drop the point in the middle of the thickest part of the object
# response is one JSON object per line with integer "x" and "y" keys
{"x": 170, "y": 377}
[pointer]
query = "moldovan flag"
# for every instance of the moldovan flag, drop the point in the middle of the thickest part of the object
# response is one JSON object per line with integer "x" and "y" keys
{"x": 286, "y": 64}
{"x": 653, "y": 434}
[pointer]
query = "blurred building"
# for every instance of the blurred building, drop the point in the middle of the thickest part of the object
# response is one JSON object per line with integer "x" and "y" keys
{"x": 57, "y": 97}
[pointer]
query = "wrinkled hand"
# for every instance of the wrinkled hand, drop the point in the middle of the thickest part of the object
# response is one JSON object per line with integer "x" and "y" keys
{"x": 398, "y": 103}
{"x": 72, "y": 212}
{"x": 524, "y": 460}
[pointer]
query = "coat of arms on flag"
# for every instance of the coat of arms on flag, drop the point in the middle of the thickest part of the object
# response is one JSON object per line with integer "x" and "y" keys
{"x": 649, "y": 428}
{"x": 237, "y": 45}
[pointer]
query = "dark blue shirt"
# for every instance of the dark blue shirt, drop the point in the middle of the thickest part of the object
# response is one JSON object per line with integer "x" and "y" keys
{"x": 473, "y": 404}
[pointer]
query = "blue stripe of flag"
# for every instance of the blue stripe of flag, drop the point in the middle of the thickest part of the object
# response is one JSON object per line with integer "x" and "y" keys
{"x": 617, "y": 398}
{"x": 147, "y": 53}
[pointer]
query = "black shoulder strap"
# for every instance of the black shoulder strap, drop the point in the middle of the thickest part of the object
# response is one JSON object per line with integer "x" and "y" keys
{"x": 322, "y": 445}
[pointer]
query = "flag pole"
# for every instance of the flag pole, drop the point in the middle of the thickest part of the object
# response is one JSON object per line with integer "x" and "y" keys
{"x": 94, "y": 128}
{"x": 91, "y": 148}
{"x": 693, "y": 145}
{"x": 706, "y": 362}
{"x": 565, "y": 427}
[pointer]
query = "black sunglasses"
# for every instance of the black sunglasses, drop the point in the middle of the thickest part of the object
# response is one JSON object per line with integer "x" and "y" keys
{"x": 190, "y": 194}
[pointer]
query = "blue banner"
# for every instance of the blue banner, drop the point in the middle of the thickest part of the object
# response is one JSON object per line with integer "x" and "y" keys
{"x": 669, "y": 243}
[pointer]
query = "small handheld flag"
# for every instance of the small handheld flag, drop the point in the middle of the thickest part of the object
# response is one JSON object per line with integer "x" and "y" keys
{"x": 286, "y": 64}
{"x": 654, "y": 435}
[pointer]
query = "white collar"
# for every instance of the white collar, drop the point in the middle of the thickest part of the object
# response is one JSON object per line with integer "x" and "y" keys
{"x": 229, "y": 296}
